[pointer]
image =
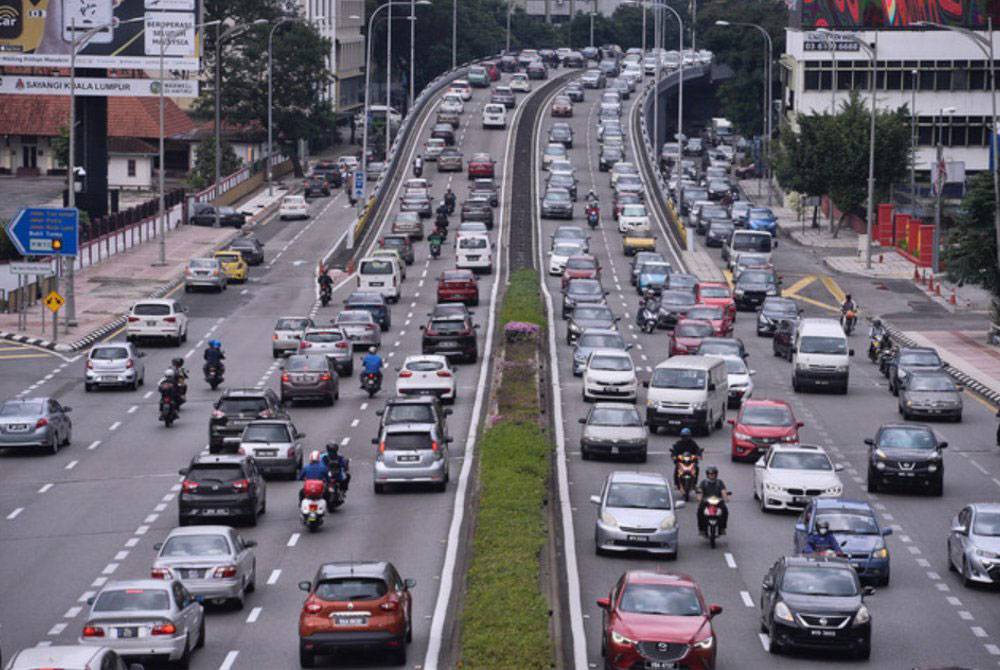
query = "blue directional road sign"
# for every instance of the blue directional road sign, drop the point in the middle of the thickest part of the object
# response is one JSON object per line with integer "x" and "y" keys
{"x": 45, "y": 231}
{"x": 359, "y": 184}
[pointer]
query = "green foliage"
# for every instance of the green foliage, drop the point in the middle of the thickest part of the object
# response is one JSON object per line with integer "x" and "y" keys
{"x": 523, "y": 300}
{"x": 203, "y": 173}
{"x": 60, "y": 145}
{"x": 971, "y": 252}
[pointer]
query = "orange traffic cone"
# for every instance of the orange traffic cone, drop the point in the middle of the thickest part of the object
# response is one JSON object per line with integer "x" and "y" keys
{"x": 937, "y": 289}
{"x": 952, "y": 300}
{"x": 916, "y": 273}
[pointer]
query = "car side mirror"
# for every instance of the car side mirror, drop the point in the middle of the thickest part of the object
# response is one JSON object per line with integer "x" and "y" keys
{"x": 870, "y": 442}
{"x": 581, "y": 420}
{"x": 67, "y": 410}
{"x": 943, "y": 445}
{"x": 449, "y": 440}
{"x": 759, "y": 463}
{"x": 90, "y": 600}
{"x": 799, "y": 424}
{"x": 379, "y": 412}
{"x": 768, "y": 583}
{"x": 645, "y": 385}
{"x": 409, "y": 583}
{"x": 753, "y": 372}
{"x": 158, "y": 546}
{"x": 375, "y": 440}
{"x": 595, "y": 499}
{"x": 475, "y": 325}
{"x": 301, "y": 436}
{"x": 305, "y": 586}
{"x": 680, "y": 504}
{"x": 868, "y": 591}
{"x": 961, "y": 530}
{"x": 199, "y": 599}
{"x": 714, "y": 610}
{"x": 140, "y": 354}
{"x": 839, "y": 467}
{"x": 886, "y": 532}
{"x": 850, "y": 352}
{"x": 183, "y": 472}
{"x": 711, "y": 387}
{"x": 800, "y": 527}
{"x": 422, "y": 327}
{"x": 604, "y": 603}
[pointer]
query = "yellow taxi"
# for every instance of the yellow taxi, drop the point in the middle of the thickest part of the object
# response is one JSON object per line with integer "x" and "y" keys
{"x": 233, "y": 265}
{"x": 638, "y": 240}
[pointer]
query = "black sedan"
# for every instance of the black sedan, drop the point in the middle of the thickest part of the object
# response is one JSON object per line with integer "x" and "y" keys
{"x": 557, "y": 204}
{"x": 204, "y": 215}
{"x": 580, "y": 291}
{"x": 753, "y": 286}
{"x": 561, "y": 133}
{"x": 315, "y": 187}
{"x": 609, "y": 156}
{"x": 773, "y": 310}
{"x": 250, "y": 248}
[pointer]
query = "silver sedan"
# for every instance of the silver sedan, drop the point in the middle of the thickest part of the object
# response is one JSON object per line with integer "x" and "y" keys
{"x": 360, "y": 326}
{"x": 214, "y": 562}
{"x": 636, "y": 512}
{"x": 146, "y": 618}
{"x": 35, "y": 422}
{"x": 974, "y": 544}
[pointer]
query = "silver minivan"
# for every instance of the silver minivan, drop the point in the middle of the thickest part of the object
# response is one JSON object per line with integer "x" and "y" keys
{"x": 411, "y": 453}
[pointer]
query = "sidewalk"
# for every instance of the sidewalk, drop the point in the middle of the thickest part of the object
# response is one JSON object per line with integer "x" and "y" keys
{"x": 106, "y": 290}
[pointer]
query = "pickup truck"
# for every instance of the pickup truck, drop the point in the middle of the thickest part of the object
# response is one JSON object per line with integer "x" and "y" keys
{"x": 638, "y": 240}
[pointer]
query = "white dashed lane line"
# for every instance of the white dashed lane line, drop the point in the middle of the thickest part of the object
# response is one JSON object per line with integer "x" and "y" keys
{"x": 45, "y": 488}
{"x": 747, "y": 600}
{"x": 273, "y": 578}
{"x": 15, "y": 513}
{"x": 254, "y": 614}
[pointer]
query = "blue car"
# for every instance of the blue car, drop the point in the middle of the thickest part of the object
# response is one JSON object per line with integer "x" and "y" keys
{"x": 762, "y": 218}
{"x": 651, "y": 280}
{"x": 861, "y": 537}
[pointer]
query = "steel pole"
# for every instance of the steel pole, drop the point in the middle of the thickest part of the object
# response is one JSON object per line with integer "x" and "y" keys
{"x": 507, "y": 48}
{"x": 873, "y": 52}
{"x": 694, "y": 24}
{"x": 913, "y": 141}
{"x": 454, "y": 34}
{"x": 270, "y": 106}
{"x": 644, "y": 30}
{"x": 680, "y": 106}
{"x": 218, "y": 120}
{"x": 657, "y": 20}
{"x": 71, "y": 195}
{"x": 939, "y": 156}
{"x": 767, "y": 109}
{"x": 388, "y": 81}
{"x": 996, "y": 145}
{"x": 413, "y": 24}
{"x": 163, "y": 158}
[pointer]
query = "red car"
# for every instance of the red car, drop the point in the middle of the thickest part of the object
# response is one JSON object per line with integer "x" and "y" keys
{"x": 718, "y": 293}
{"x": 481, "y": 166}
{"x": 760, "y": 424}
{"x": 492, "y": 70}
{"x": 582, "y": 266}
{"x": 688, "y": 334}
{"x": 722, "y": 320}
{"x": 458, "y": 286}
{"x": 562, "y": 106}
{"x": 657, "y": 620}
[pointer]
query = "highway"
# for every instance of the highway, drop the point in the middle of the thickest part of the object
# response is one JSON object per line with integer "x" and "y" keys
{"x": 924, "y": 618}
{"x": 70, "y": 522}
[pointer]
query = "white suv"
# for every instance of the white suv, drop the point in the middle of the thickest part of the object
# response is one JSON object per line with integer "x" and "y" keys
{"x": 788, "y": 477}
{"x": 494, "y": 116}
{"x": 157, "y": 319}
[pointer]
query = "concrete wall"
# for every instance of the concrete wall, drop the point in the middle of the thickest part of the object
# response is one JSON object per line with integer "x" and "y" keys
{"x": 118, "y": 172}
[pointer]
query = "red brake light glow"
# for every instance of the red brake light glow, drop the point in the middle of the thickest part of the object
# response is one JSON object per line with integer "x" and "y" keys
{"x": 189, "y": 486}
{"x": 93, "y": 631}
{"x": 160, "y": 573}
{"x": 165, "y": 628}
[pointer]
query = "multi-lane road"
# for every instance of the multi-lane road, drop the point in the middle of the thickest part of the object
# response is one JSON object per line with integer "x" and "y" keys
{"x": 925, "y": 618}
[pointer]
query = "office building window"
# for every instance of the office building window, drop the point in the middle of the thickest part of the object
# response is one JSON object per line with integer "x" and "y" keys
{"x": 932, "y": 75}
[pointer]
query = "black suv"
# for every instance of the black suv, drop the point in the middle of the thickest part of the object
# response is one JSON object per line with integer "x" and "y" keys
{"x": 203, "y": 214}
{"x": 374, "y": 303}
{"x": 234, "y": 410}
{"x": 315, "y": 187}
{"x": 908, "y": 455}
{"x": 414, "y": 409}
{"x": 451, "y": 336}
{"x": 816, "y": 604}
{"x": 217, "y": 486}
{"x": 754, "y": 286}
{"x": 911, "y": 359}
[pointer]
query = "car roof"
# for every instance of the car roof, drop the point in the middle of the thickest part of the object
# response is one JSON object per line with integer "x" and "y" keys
{"x": 336, "y": 569}
{"x": 155, "y": 301}
{"x": 413, "y": 400}
{"x": 842, "y": 504}
{"x": 600, "y": 331}
{"x": 218, "y": 459}
{"x": 817, "y": 562}
{"x": 799, "y": 448}
{"x": 60, "y": 655}
{"x": 631, "y": 476}
{"x": 696, "y": 362}
{"x": 151, "y": 584}
{"x": 985, "y": 506}
{"x": 200, "y": 530}
{"x": 917, "y": 350}
{"x": 645, "y": 576}
{"x": 764, "y": 402}
{"x": 243, "y": 393}
{"x": 618, "y": 353}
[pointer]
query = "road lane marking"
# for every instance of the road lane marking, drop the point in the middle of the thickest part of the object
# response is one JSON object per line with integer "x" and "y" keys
{"x": 293, "y": 540}
{"x": 141, "y": 530}
{"x": 147, "y": 395}
{"x": 115, "y": 425}
{"x": 730, "y": 561}
{"x": 952, "y": 600}
{"x": 254, "y": 614}
{"x": 978, "y": 631}
{"x": 364, "y": 406}
{"x": 57, "y": 629}
{"x": 765, "y": 641}
{"x": 132, "y": 409}
{"x": 344, "y": 442}
{"x": 965, "y": 615}
{"x": 993, "y": 649}
{"x": 94, "y": 445}
{"x": 355, "y": 422}
{"x": 273, "y": 578}
{"x": 913, "y": 550}
{"x": 977, "y": 466}
{"x": 227, "y": 663}
{"x": 13, "y": 515}
{"x": 151, "y": 518}
{"x": 71, "y": 465}
{"x": 160, "y": 507}
{"x": 45, "y": 488}
{"x": 747, "y": 600}
{"x": 131, "y": 542}
{"x": 923, "y": 562}
{"x": 99, "y": 582}
{"x": 85, "y": 596}
{"x": 109, "y": 569}
{"x": 72, "y": 612}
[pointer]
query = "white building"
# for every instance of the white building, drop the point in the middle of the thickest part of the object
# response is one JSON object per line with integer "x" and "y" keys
{"x": 925, "y": 69}
{"x": 342, "y": 24}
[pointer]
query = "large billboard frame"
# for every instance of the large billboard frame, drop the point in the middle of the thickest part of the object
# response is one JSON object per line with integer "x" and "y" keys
{"x": 857, "y": 15}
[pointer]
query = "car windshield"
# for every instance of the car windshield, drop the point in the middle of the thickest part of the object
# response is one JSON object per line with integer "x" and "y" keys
{"x": 354, "y": 317}
{"x": 671, "y": 378}
{"x": 987, "y": 523}
{"x": 585, "y": 288}
{"x": 448, "y": 326}
{"x": 614, "y": 416}
{"x": 721, "y": 228}
{"x": 215, "y": 472}
{"x": 581, "y": 264}
{"x": 351, "y": 589}
{"x": 242, "y": 405}
{"x": 151, "y": 309}
{"x": 921, "y": 358}
{"x": 714, "y": 212}
{"x": 907, "y": 438}
{"x": 323, "y": 337}
{"x": 766, "y": 415}
{"x": 408, "y": 413}
{"x": 756, "y": 277}
{"x": 736, "y": 366}
{"x": 680, "y": 298}
{"x": 202, "y": 263}
{"x": 660, "y": 599}
{"x": 655, "y": 268}
{"x": 857, "y": 523}
{"x": 714, "y": 292}
{"x": 820, "y": 581}
{"x": 473, "y": 243}
{"x": 611, "y": 363}
{"x": 751, "y": 242}
{"x": 266, "y": 432}
{"x": 306, "y": 364}
{"x": 716, "y": 347}
{"x": 693, "y": 330}
{"x": 132, "y": 600}
{"x": 376, "y": 267}
{"x": 195, "y": 545}
{"x": 931, "y": 383}
{"x": 707, "y": 312}
{"x": 634, "y": 210}
{"x": 813, "y": 344}
{"x": 109, "y": 354}
{"x": 638, "y": 496}
{"x": 600, "y": 341}
{"x": 682, "y": 281}
{"x": 21, "y": 407}
{"x": 557, "y": 196}
{"x": 424, "y": 365}
{"x": 800, "y": 460}
{"x": 780, "y": 308}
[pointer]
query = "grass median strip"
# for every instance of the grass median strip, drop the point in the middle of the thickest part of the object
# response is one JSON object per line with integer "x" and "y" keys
{"x": 505, "y": 617}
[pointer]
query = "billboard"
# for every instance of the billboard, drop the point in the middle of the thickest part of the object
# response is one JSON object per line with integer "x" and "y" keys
{"x": 40, "y": 33}
{"x": 112, "y": 87}
{"x": 890, "y": 14}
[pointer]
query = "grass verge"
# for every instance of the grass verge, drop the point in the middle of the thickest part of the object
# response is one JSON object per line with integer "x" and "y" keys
{"x": 523, "y": 300}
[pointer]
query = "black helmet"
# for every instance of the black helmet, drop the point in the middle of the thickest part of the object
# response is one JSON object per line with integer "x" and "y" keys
{"x": 822, "y": 527}
{"x": 177, "y": 362}
{"x": 847, "y": 297}
{"x": 712, "y": 470}
{"x": 877, "y": 322}
{"x": 332, "y": 448}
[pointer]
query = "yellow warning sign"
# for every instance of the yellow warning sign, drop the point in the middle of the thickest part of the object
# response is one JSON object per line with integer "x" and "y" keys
{"x": 54, "y": 301}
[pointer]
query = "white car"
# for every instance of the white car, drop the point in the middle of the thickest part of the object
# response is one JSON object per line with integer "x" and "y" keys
{"x": 633, "y": 218}
{"x": 161, "y": 318}
{"x": 293, "y": 207}
{"x": 427, "y": 375}
{"x": 474, "y": 252}
{"x": 620, "y": 168}
{"x": 433, "y": 148}
{"x": 452, "y": 104}
{"x": 553, "y": 151}
{"x": 740, "y": 380}
{"x": 67, "y": 656}
{"x": 494, "y": 116}
{"x": 609, "y": 374}
{"x": 462, "y": 88}
{"x": 519, "y": 83}
{"x": 788, "y": 477}
{"x": 560, "y": 254}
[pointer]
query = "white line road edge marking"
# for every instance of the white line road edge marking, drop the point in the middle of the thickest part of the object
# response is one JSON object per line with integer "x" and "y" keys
{"x": 747, "y": 600}
{"x": 115, "y": 425}
{"x": 72, "y": 612}
{"x": 71, "y": 465}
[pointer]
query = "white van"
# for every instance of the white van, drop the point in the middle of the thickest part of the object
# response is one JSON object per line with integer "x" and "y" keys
{"x": 474, "y": 252}
{"x": 380, "y": 275}
{"x": 688, "y": 392}
{"x": 751, "y": 241}
{"x": 494, "y": 116}
{"x": 820, "y": 355}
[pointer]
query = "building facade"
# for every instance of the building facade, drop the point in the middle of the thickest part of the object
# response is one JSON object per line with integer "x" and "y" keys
{"x": 341, "y": 23}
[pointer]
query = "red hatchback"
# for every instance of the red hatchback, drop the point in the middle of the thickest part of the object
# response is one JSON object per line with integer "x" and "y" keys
{"x": 458, "y": 286}
{"x": 718, "y": 293}
{"x": 657, "y": 620}
{"x": 481, "y": 165}
{"x": 760, "y": 424}
{"x": 687, "y": 335}
{"x": 582, "y": 266}
{"x": 722, "y": 320}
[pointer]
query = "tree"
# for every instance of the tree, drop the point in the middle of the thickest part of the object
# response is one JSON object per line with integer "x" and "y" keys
{"x": 60, "y": 145}
{"x": 203, "y": 173}
{"x": 971, "y": 249}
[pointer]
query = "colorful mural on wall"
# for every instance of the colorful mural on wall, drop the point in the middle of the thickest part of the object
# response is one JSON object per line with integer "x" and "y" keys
{"x": 890, "y": 14}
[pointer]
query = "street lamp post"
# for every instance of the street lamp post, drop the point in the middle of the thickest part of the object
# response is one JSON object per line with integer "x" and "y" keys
{"x": 507, "y": 48}
{"x": 985, "y": 45}
{"x": 592, "y": 27}
{"x": 388, "y": 78}
{"x": 413, "y": 24}
{"x": 913, "y": 141}
{"x": 939, "y": 189}
{"x": 454, "y": 34}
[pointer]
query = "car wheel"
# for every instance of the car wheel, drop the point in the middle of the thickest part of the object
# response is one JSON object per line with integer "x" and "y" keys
{"x": 307, "y": 659}
{"x": 641, "y": 458}
{"x": 399, "y": 656}
{"x": 966, "y": 580}
{"x": 67, "y": 437}
{"x": 134, "y": 385}
{"x": 238, "y": 601}
{"x": 184, "y": 662}
{"x": 252, "y": 584}
{"x": 54, "y": 444}
{"x": 937, "y": 488}
{"x": 87, "y": 388}
{"x": 378, "y": 488}
{"x": 774, "y": 648}
{"x": 201, "y": 633}
{"x": 864, "y": 652}
{"x": 872, "y": 483}
{"x": 884, "y": 581}
{"x": 763, "y": 505}
{"x": 187, "y": 289}
{"x": 252, "y": 518}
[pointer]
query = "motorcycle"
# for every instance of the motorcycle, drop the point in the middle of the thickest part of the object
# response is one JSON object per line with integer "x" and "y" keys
{"x": 848, "y": 320}
{"x": 441, "y": 231}
{"x": 325, "y": 294}
{"x": 713, "y": 516}
{"x": 213, "y": 375}
{"x": 648, "y": 316}
{"x": 435, "y": 249}
{"x": 180, "y": 375}
{"x": 593, "y": 216}
{"x": 312, "y": 507}
{"x": 338, "y": 491}
{"x": 418, "y": 169}
{"x": 686, "y": 468}
{"x": 441, "y": 220}
{"x": 371, "y": 383}
{"x": 168, "y": 409}
{"x": 449, "y": 202}
{"x": 884, "y": 358}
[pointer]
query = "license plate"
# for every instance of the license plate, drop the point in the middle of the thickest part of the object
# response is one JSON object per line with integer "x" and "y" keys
{"x": 800, "y": 501}
{"x": 17, "y": 427}
{"x": 214, "y": 512}
{"x": 267, "y": 452}
{"x": 823, "y": 633}
{"x": 660, "y": 665}
{"x": 473, "y": 258}
{"x": 615, "y": 451}
{"x": 378, "y": 283}
{"x": 448, "y": 345}
{"x": 407, "y": 459}
{"x": 151, "y": 323}
{"x": 674, "y": 422}
{"x": 130, "y": 632}
{"x": 637, "y": 538}
{"x": 905, "y": 474}
{"x": 108, "y": 378}
{"x": 191, "y": 574}
{"x": 350, "y": 620}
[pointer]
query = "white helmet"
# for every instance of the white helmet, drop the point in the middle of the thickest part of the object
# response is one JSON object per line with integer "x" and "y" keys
{"x": 372, "y": 350}
{"x": 314, "y": 456}
{"x": 169, "y": 373}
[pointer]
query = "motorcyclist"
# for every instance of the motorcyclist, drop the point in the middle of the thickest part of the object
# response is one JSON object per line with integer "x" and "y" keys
{"x": 337, "y": 465}
{"x": 214, "y": 356}
{"x": 434, "y": 241}
{"x": 877, "y": 336}
{"x": 651, "y": 303}
{"x": 180, "y": 375}
{"x": 821, "y": 540}
{"x": 324, "y": 279}
{"x": 169, "y": 389}
{"x": 315, "y": 469}
{"x": 685, "y": 446}
{"x": 418, "y": 165}
{"x": 592, "y": 199}
{"x": 442, "y": 213}
{"x": 709, "y": 487}
{"x": 848, "y": 305}
{"x": 372, "y": 364}
{"x": 449, "y": 200}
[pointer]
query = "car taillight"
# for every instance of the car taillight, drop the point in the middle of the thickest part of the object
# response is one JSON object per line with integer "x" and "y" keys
{"x": 313, "y": 608}
{"x": 160, "y": 573}
{"x": 390, "y": 605}
{"x": 381, "y": 447}
{"x": 290, "y": 452}
{"x": 188, "y": 486}
{"x": 241, "y": 485}
{"x": 224, "y": 572}
{"x": 325, "y": 377}
{"x": 217, "y": 414}
{"x": 314, "y": 507}
{"x": 264, "y": 414}
{"x": 241, "y": 451}
{"x": 90, "y": 365}
{"x": 343, "y": 344}
{"x": 133, "y": 319}
{"x": 93, "y": 631}
{"x": 130, "y": 363}
{"x": 443, "y": 373}
{"x": 405, "y": 374}
{"x": 41, "y": 423}
{"x": 285, "y": 377}
{"x": 165, "y": 628}
{"x": 171, "y": 319}
{"x": 434, "y": 446}
{"x": 274, "y": 337}
{"x": 371, "y": 326}
{"x": 305, "y": 345}
{"x": 430, "y": 331}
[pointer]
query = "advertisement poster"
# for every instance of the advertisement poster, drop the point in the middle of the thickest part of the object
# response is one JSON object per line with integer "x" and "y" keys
{"x": 886, "y": 15}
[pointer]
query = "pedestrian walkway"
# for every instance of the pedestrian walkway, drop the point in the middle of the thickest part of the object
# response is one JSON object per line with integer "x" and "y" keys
{"x": 966, "y": 351}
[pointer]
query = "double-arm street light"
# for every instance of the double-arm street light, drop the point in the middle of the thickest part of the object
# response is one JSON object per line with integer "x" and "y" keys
{"x": 985, "y": 45}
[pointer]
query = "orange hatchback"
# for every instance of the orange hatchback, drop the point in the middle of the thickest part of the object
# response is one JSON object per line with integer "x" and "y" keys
{"x": 355, "y": 605}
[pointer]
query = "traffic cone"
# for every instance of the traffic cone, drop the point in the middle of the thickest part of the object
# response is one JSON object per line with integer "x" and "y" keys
{"x": 881, "y": 258}
{"x": 937, "y": 289}
{"x": 916, "y": 273}
{"x": 930, "y": 282}
{"x": 952, "y": 300}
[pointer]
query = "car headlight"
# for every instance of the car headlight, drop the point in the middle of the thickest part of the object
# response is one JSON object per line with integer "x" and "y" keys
{"x": 982, "y": 553}
{"x": 790, "y": 438}
{"x": 705, "y": 644}
{"x": 573, "y": 328}
{"x": 650, "y": 403}
{"x": 880, "y": 454}
{"x": 669, "y": 522}
{"x": 741, "y": 436}
{"x": 772, "y": 291}
{"x": 834, "y": 490}
{"x": 738, "y": 291}
{"x": 932, "y": 468}
{"x": 782, "y": 612}
{"x": 609, "y": 520}
{"x": 863, "y": 616}
{"x": 773, "y": 487}
{"x": 881, "y": 554}
{"x": 843, "y": 368}
{"x": 699, "y": 405}
{"x": 618, "y": 638}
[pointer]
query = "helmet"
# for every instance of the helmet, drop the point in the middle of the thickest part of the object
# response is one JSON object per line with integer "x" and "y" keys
{"x": 314, "y": 456}
{"x": 847, "y": 297}
{"x": 169, "y": 373}
{"x": 822, "y": 527}
{"x": 372, "y": 350}
{"x": 685, "y": 432}
{"x": 877, "y": 322}
{"x": 712, "y": 470}
{"x": 332, "y": 448}
{"x": 215, "y": 344}
{"x": 177, "y": 362}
